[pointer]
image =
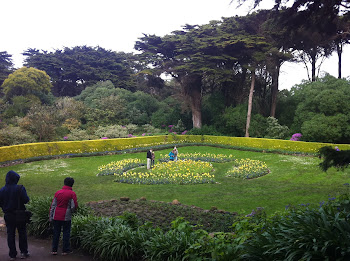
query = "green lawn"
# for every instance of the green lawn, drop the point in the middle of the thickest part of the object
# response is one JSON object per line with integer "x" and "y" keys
{"x": 292, "y": 180}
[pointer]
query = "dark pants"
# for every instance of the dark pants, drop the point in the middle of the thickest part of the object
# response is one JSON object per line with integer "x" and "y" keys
{"x": 57, "y": 227}
{"x": 11, "y": 236}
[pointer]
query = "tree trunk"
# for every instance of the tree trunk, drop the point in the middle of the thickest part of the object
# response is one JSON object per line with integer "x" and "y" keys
{"x": 274, "y": 89}
{"x": 313, "y": 67}
{"x": 250, "y": 104}
{"x": 196, "y": 107}
{"x": 192, "y": 87}
{"x": 339, "y": 51}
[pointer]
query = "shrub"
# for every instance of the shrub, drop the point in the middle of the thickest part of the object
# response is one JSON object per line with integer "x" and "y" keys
{"x": 15, "y": 135}
{"x": 79, "y": 134}
{"x": 40, "y": 207}
{"x": 275, "y": 130}
{"x": 40, "y": 225}
{"x": 172, "y": 244}
{"x": 334, "y": 158}
{"x": 112, "y": 131}
{"x": 149, "y": 129}
{"x": 304, "y": 234}
{"x": 296, "y": 137}
{"x": 205, "y": 130}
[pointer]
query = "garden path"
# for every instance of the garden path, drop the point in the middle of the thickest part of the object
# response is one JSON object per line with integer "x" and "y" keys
{"x": 39, "y": 249}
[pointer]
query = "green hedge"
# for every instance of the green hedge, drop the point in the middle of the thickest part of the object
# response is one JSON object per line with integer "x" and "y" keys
{"x": 45, "y": 150}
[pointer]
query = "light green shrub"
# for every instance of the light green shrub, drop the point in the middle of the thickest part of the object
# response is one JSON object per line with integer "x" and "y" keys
{"x": 112, "y": 131}
{"x": 79, "y": 134}
{"x": 275, "y": 130}
{"x": 15, "y": 135}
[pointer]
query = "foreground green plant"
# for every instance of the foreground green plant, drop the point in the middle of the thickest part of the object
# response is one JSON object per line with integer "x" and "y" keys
{"x": 304, "y": 233}
{"x": 40, "y": 206}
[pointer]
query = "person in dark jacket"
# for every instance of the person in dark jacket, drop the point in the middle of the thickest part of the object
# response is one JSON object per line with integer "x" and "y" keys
{"x": 9, "y": 203}
{"x": 149, "y": 158}
{"x": 63, "y": 205}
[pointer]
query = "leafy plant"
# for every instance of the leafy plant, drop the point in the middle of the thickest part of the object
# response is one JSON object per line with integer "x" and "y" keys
{"x": 40, "y": 208}
{"x": 275, "y": 130}
{"x": 304, "y": 234}
{"x": 171, "y": 245}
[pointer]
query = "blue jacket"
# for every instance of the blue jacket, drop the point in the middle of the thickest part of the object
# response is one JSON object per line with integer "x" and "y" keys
{"x": 8, "y": 194}
{"x": 171, "y": 155}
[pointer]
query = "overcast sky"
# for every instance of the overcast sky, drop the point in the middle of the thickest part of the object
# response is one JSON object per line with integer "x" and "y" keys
{"x": 117, "y": 24}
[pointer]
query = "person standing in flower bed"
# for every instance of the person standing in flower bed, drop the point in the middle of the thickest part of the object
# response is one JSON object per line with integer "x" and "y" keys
{"x": 149, "y": 158}
{"x": 153, "y": 158}
{"x": 171, "y": 155}
{"x": 62, "y": 207}
{"x": 175, "y": 153}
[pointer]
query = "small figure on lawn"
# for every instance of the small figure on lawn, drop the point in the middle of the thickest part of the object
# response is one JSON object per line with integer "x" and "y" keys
{"x": 175, "y": 153}
{"x": 149, "y": 158}
{"x": 153, "y": 158}
{"x": 172, "y": 155}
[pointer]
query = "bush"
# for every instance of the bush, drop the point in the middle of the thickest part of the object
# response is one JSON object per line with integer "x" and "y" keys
{"x": 112, "y": 131}
{"x": 275, "y": 130}
{"x": 304, "y": 234}
{"x": 322, "y": 128}
{"x": 172, "y": 244}
{"x": 79, "y": 134}
{"x": 15, "y": 135}
{"x": 149, "y": 129}
{"x": 334, "y": 158}
{"x": 205, "y": 130}
{"x": 40, "y": 207}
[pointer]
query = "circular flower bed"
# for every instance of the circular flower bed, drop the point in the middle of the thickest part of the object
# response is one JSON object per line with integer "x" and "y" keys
{"x": 173, "y": 172}
{"x": 118, "y": 167}
{"x": 248, "y": 169}
{"x": 192, "y": 168}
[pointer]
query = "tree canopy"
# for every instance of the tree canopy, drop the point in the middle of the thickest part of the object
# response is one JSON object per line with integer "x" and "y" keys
{"x": 6, "y": 66}
{"x": 72, "y": 69}
{"x": 27, "y": 82}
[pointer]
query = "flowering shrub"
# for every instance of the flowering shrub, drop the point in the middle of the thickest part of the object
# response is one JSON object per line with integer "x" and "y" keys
{"x": 118, "y": 167}
{"x": 296, "y": 137}
{"x": 172, "y": 172}
{"x": 248, "y": 169}
{"x": 208, "y": 157}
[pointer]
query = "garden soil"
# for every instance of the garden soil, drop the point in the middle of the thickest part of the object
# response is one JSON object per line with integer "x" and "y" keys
{"x": 39, "y": 249}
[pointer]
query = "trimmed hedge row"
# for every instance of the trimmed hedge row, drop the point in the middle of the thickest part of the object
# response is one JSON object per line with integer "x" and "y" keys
{"x": 45, "y": 150}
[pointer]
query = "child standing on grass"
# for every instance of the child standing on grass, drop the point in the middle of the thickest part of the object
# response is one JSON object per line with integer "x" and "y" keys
{"x": 149, "y": 158}
{"x": 171, "y": 155}
{"x": 175, "y": 153}
{"x": 63, "y": 205}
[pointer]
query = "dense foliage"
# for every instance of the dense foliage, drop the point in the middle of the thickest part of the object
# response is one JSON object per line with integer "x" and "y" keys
{"x": 222, "y": 79}
{"x": 299, "y": 232}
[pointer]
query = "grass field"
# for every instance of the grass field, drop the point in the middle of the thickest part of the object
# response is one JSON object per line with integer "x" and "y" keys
{"x": 292, "y": 180}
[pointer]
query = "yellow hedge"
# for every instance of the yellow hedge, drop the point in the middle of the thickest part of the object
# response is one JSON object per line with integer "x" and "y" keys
{"x": 31, "y": 150}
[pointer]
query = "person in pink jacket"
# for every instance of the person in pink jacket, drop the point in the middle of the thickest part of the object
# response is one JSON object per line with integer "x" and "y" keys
{"x": 63, "y": 205}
